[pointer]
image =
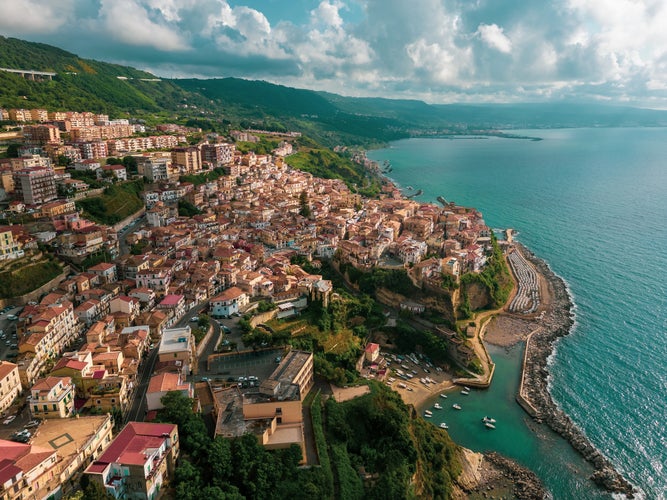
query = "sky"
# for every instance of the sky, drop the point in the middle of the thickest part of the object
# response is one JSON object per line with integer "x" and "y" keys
{"x": 439, "y": 51}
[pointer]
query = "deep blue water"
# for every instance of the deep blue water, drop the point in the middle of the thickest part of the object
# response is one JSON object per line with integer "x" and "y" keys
{"x": 593, "y": 204}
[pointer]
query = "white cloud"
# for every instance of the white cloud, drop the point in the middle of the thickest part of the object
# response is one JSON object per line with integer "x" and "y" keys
{"x": 128, "y": 22}
{"x": 434, "y": 49}
{"x": 26, "y": 17}
{"x": 493, "y": 36}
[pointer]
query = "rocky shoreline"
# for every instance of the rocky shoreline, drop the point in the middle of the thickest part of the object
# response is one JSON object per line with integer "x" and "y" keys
{"x": 557, "y": 322}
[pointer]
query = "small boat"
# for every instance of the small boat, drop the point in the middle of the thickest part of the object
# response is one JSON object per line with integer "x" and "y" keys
{"x": 489, "y": 420}
{"x": 444, "y": 426}
{"x": 428, "y": 412}
{"x": 465, "y": 393}
{"x": 456, "y": 406}
{"x": 443, "y": 395}
{"x": 466, "y": 388}
{"x": 437, "y": 406}
{"x": 489, "y": 425}
{"x": 427, "y": 415}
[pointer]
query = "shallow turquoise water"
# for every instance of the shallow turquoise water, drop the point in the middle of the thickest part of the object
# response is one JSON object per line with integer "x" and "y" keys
{"x": 593, "y": 204}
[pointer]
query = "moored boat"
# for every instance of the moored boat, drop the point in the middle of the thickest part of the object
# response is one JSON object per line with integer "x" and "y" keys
{"x": 456, "y": 406}
{"x": 489, "y": 425}
{"x": 437, "y": 406}
{"x": 428, "y": 415}
{"x": 489, "y": 420}
{"x": 444, "y": 426}
{"x": 443, "y": 395}
{"x": 465, "y": 393}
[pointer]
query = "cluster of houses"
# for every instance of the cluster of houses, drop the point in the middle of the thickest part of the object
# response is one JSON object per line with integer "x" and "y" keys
{"x": 80, "y": 348}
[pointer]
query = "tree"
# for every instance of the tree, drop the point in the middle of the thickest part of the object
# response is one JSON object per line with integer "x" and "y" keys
{"x": 305, "y": 207}
{"x": 94, "y": 490}
{"x": 13, "y": 150}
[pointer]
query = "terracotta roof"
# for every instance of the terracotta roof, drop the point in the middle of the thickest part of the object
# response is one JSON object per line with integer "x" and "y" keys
{"x": 5, "y": 369}
{"x": 130, "y": 444}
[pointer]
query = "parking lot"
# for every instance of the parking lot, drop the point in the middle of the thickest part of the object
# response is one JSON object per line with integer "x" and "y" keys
{"x": 259, "y": 364}
{"x": 8, "y": 339}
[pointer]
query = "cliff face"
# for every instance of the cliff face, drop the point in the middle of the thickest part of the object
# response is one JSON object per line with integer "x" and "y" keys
{"x": 478, "y": 295}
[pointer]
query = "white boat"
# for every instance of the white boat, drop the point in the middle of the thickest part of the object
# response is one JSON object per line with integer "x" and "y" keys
{"x": 437, "y": 406}
{"x": 428, "y": 412}
{"x": 489, "y": 425}
{"x": 444, "y": 426}
{"x": 466, "y": 388}
{"x": 465, "y": 393}
{"x": 489, "y": 420}
{"x": 456, "y": 406}
{"x": 427, "y": 415}
{"x": 443, "y": 395}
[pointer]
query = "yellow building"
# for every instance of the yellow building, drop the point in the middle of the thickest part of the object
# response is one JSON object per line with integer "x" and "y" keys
{"x": 52, "y": 397}
{"x": 9, "y": 247}
{"x": 10, "y": 384}
{"x": 77, "y": 445}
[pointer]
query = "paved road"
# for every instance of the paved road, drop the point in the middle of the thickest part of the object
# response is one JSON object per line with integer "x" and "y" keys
{"x": 138, "y": 403}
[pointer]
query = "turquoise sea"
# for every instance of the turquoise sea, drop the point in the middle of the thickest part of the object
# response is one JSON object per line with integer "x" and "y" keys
{"x": 593, "y": 204}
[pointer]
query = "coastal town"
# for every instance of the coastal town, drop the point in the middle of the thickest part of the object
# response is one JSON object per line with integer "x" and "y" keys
{"x": 183, "y": 293}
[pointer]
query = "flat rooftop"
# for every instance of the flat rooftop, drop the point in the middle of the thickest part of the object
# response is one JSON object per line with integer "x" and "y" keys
{"x": 172, "y": 340}
{"x": 68, "y": 437}
{"x": 290, "y": 366}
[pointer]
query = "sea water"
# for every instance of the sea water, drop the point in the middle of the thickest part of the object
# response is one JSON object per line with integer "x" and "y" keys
{"x": 593, "y": 204}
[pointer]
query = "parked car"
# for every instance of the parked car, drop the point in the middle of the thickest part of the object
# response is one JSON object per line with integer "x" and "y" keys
{"x": 9, "y": 419}
{"x": 12, "y": 317}
{"x": 32, "y": 423}
{"x": 194, "y": 318}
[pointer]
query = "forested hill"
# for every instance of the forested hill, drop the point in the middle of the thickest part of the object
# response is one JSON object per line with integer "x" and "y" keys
{"x": 84, "y": 84}
{"x": 81, "y": 84}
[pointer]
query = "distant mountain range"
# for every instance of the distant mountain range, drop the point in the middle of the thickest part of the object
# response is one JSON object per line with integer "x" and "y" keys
{"x": 84, "y": 84}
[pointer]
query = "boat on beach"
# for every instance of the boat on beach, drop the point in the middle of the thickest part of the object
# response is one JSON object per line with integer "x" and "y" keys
{"x": 456, "y": 406}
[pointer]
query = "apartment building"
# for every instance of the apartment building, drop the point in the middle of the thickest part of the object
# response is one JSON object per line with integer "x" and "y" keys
{"x": 10, "y": 384}
{"x": 10, "y": 248}
{"x": 229, "y": 302}
{"x": 138, "y": 462}
{"x": 35, "y": 185}
{"x": 177, "y": 347}
{"x": 218, "y": 154}
{"x": 77, "y": 445}
{"x": 41, "y": 134}
{"x": 188, "y": 159}
{"x": 27, "y": 471}
{"x": 52, "y": 397}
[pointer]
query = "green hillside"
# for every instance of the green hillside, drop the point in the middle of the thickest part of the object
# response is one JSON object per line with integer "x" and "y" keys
{"x": 216, "y": 104}
{"x": 81, "y": 84}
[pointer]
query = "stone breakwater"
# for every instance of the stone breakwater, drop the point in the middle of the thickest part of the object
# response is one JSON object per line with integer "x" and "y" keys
{"x": 557, "y": 323}
{"x": 526, "y": 484}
